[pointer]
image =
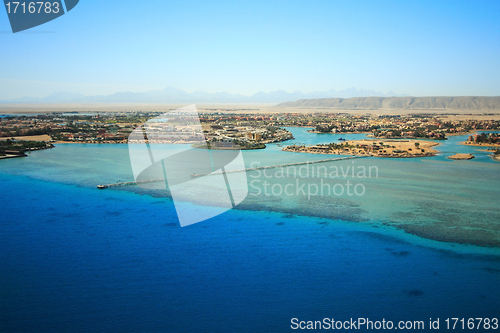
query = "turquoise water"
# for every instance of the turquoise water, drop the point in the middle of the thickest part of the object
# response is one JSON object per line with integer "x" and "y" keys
{"x": 432, "y": 197}
{"x": 78, "y": 259}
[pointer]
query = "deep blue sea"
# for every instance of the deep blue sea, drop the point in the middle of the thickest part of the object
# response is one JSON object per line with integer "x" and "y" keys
{"x": 77, "y": 259}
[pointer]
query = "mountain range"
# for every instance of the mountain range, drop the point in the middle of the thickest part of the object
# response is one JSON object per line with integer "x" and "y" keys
{"x": 409, "y": 103}
{"x": 173, "y": 95}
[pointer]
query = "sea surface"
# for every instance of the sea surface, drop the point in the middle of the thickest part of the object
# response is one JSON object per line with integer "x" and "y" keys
{"x": 77, "y": 259}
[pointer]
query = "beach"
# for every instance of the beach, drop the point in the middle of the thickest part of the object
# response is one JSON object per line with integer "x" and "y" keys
{"x": 44, "y": 137}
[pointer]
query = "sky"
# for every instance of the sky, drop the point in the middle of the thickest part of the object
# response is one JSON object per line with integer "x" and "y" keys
{"x": 419, "y": 48}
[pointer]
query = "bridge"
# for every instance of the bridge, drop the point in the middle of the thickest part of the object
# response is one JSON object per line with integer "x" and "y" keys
{"x": 230, "y": 171}
{"x": 131, "y": 183}
{"x": 277, "y": 166}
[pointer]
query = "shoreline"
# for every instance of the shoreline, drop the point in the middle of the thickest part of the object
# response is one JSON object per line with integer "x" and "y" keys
{"x": 460, "y": 133}
{"x": 228, "y": 148}
{"x": 87, "y": 142}
{"x": 480, "y": 144}
{"x": 121, "y": 142}
{"x": 361, "y": 155}
{"x": 316, "y": 132}
{"x": 4, "y": 157}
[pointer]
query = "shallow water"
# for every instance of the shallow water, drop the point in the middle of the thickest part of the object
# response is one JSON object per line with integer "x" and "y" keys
{"x": 433, "y": 197}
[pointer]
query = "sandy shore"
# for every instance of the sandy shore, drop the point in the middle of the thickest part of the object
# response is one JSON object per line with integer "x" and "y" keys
{"x": 461, "y": 157}
{"x": 44, "y": 137}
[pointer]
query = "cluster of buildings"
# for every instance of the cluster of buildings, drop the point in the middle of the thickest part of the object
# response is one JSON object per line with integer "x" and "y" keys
{"x": 411, "y": 126}
{"x": 215, "y": 130}
{"x": 430, "y": 127}
{"x": 226, "y": 127}
{"x": 484, "y": 138}
{"x": 239, "y": 118}
{"x": 116, "y": 128}
{"x": 246, "y": 134}
{"x": 67, "y": 127}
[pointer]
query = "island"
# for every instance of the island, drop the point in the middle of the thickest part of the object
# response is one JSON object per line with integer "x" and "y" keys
{"x": 378, "y": 148}
{"x": 461, "y": 157}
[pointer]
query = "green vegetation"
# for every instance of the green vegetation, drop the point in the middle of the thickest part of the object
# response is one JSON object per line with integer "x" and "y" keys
{"x": 20, "y": 147}
{"x": 324, "y": 128}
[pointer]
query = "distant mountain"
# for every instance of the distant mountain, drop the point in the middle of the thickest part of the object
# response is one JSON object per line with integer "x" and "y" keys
{"x": 411, "y": 103}
{"x": 172, "y": 95}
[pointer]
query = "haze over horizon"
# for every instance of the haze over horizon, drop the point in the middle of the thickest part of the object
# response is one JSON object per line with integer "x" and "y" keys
{"x": 173, "y": 95}
{"x": 428, "y": 48}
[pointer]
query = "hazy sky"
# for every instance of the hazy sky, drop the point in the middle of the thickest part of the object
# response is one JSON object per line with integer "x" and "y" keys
{"x": 420, "y": 48}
